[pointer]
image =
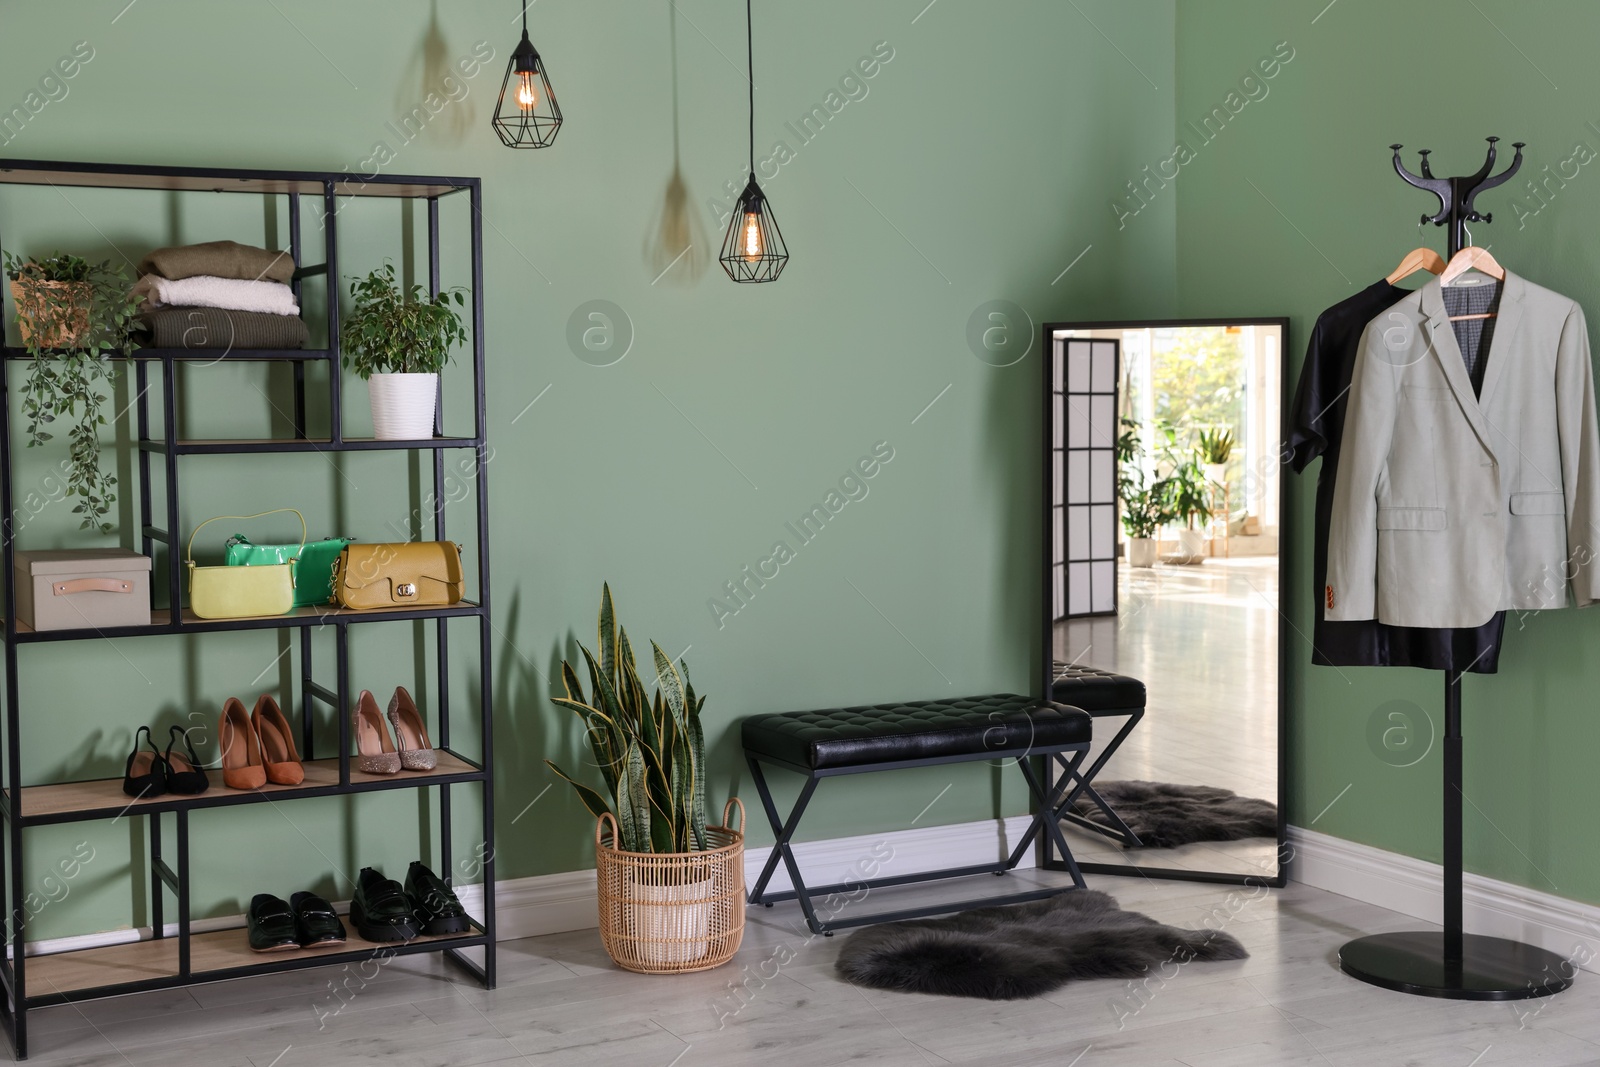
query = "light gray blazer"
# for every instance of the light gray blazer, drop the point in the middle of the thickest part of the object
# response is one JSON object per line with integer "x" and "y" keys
{"x": 1449, "y": 507}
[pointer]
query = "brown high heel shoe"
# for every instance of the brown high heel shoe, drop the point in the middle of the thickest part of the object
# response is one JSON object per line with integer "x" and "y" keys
{"x": 277, "y": 743}
{"x": 241, "y": 748}
{"x": 375, "y": 752}
{"x": 411, "y": 732}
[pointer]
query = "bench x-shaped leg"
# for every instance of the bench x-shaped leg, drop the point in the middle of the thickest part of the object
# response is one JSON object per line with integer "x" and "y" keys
{"x": 1118, "y": 830}
{"x": 1047, "y": 817}
{"x": 781, "y": 849}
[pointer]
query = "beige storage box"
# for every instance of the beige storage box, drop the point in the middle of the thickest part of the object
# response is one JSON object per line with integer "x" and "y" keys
{"x": 73, "y": 589}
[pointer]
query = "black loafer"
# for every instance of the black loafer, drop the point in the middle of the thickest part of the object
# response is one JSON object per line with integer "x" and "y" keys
{"x": 380, "y": 909}
{"x": 434, "y": 904}
{"x": 270, "y": 924}
{"x": 315, "y": 921}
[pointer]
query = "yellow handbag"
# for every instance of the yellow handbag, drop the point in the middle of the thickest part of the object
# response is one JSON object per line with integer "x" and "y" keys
{"x": 425, "y": 574}
{"x": 240, "y": 592}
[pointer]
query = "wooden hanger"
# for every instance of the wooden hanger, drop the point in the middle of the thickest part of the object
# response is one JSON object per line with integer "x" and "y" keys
{"x": 1472, "y": 258}
{"x": 1417, "y": 259}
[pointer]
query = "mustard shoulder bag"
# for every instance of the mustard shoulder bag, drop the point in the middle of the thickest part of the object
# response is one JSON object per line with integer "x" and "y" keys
{"x": 241, "y": 592}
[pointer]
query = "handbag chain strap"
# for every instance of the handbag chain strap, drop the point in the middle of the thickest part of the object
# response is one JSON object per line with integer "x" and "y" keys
{"x": 188, "y": 552}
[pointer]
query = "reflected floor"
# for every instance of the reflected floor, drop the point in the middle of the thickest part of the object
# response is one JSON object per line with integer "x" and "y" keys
{"x": 1203, "y": 639}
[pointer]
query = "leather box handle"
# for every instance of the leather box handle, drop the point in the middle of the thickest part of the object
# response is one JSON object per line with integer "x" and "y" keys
{"x": 87, "y": 585}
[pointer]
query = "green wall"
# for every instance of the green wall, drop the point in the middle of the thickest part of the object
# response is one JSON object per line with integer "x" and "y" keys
{"x": 975, "y": 169}
{"x": 1295, "y": 206}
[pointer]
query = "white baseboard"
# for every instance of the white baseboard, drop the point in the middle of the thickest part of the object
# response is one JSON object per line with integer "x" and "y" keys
{"x": 1410, "y": 886}
{"x": 556, "y": 903}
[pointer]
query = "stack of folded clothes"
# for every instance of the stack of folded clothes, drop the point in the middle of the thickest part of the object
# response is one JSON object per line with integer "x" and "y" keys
{"x": 219, "y": 295}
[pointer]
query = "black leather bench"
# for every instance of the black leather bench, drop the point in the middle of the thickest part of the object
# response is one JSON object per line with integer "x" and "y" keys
{"x": 840, "y": 741}
{"x": 1103, "y": 695}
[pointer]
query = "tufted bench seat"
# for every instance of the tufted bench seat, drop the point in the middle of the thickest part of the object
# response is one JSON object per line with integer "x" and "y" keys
{"x": 838, "y": 741}
{"x": 1103, "y": 695}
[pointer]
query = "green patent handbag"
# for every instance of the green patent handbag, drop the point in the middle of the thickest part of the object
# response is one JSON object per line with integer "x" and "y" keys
{"x": 313, "y": 570}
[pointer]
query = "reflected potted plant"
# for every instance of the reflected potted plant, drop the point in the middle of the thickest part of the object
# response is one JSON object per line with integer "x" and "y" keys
{"x": 1145, "y": 506}
{"x": 1215, "y": 448}
{"x": 1189, "y": 495}
{"x": 72, "y": 316}
{"x": 671, "y": 888}
{"x": 398, "y": 340}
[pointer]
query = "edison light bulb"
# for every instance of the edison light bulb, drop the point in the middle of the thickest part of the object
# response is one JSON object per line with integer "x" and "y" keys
{"x": 752, "y": 236}
{"x": 527, "y": 97}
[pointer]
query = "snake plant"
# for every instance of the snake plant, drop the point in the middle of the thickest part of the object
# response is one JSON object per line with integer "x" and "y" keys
{"x": 651, "y": 753}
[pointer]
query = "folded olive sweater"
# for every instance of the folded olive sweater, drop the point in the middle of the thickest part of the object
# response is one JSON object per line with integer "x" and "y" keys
{"x": 215, "y": 328}
{"x": 219, "y": 259}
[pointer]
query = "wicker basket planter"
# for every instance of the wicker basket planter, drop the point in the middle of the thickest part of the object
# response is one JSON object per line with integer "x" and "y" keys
{"x": 675, "y": 912}
{"x": 61, "y": 330}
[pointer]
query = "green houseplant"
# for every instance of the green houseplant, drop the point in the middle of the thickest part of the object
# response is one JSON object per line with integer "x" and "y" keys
{"x": 1188, "y": 493}
{"x": 397, "y": 339}
{"x": 72, "y": 315}
{"x": 671, "y": 887}
{"x": 1146, "y": 505}
{"x": 1215, "y": 448}
{"x": 651, "y": 753}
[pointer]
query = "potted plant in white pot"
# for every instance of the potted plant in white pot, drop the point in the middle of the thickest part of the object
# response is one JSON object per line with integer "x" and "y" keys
{"x": 1144, "y": 506}
{"x": 671, "y": 888}
{"x": 398, "y": 340}
{"x": 1215, "y": 447}
{"x": 1189, "y": 494}
{"x": 72, "y": 316}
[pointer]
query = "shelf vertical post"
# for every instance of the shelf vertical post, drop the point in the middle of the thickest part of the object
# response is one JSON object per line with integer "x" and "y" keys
{"x": 169, "y": 424}
{"x": 297, "y": 253}
{"x": 441, "y": 702}
{"x": 485, "y": 671}
{"x": 13, "y": 732}
{"x": 341, "y": 666}
{"x": 330, "y": 237}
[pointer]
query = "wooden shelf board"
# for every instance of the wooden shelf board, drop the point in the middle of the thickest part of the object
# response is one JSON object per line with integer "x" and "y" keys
{"x": 212, "y": 952}
{"x": 106, "y": 795}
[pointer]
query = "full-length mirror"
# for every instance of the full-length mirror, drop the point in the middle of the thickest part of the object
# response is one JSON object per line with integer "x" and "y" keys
{"x": 1162, "y": 461}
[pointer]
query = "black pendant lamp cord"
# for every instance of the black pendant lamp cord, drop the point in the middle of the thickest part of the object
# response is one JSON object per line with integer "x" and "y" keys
{"x": 524, "y": 18}
{"x": 750, "y": 53}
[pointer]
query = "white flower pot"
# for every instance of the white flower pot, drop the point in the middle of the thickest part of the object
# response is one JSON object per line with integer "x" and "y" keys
{"x": 1141, "y": 552}
{"x": 674, "y": 921}
{"x": 1217, "y": 473}
{"x": 403, "y": 405}
{"x": 1191, "y": 543}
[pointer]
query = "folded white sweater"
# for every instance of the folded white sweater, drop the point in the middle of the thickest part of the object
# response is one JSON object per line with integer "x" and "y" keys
{"x": 230, "y": 294}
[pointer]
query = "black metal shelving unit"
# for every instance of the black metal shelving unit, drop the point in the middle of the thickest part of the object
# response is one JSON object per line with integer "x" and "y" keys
{"x": 163, "y": 960}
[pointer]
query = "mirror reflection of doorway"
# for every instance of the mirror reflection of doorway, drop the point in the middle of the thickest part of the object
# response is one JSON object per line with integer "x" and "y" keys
{"x": 1163, "y": 572}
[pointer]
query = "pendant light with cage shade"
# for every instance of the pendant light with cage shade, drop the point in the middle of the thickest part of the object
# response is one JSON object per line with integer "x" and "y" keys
{"x": 753, "y": 250}
{"x": 526, "y": 115}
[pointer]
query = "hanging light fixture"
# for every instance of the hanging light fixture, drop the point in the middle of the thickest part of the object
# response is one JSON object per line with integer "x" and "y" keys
{"x": 753, "y": 250}
{"x": 526, "y": 115}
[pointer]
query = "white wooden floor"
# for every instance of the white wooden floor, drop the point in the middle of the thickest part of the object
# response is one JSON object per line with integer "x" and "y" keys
{"x": 560, "y": 1001}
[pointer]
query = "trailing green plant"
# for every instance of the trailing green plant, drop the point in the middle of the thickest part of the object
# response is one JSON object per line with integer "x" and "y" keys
{"x": 94, "y": 314}
{"x": 395, "y": 330}
{"x": 1215, "y": 445}
{"x": 61, "y": 267}
{"x": 651, "y": 754}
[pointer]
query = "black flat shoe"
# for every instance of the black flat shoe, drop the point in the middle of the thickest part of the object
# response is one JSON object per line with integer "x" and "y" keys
{"x": 434, "y": 903}
{"x": 380, "y": 910}
{"x": 270, "y": 924}
{"x": 183, "y": 772}
{"x": 315, "y": 921}
{"x": 145, "y": 774}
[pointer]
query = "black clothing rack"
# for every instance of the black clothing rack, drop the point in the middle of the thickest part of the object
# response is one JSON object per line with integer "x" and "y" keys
{"x": 1450, "y": 963}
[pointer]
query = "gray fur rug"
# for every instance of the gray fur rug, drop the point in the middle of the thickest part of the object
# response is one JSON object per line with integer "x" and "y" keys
{"x": 1166, "y": 816}
{"x": 1025, "y": 950}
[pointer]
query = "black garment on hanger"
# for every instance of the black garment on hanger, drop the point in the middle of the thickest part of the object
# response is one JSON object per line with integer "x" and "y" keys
{"x": 1316, "y": 426}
